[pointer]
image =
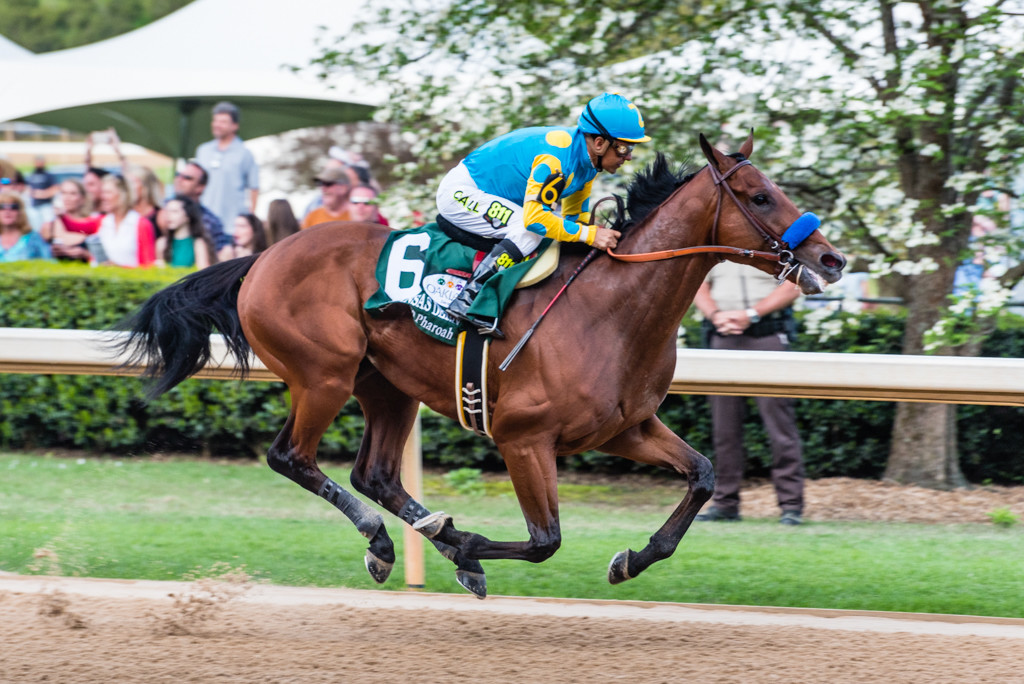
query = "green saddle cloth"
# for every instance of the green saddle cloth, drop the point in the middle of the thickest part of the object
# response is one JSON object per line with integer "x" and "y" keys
{"x": 415, "y": 268}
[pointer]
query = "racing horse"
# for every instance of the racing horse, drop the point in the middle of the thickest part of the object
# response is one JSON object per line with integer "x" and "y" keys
{"x": 592, "y": 377}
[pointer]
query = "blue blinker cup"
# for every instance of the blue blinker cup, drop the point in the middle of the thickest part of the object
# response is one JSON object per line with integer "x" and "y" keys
{"x": 800, "y": 229}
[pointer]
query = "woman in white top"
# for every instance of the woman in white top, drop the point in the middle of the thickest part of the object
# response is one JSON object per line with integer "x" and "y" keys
{"x": 127, "y": 239}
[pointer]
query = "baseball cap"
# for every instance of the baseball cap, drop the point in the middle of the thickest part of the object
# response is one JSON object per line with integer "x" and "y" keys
{"x": 333, "y": 174}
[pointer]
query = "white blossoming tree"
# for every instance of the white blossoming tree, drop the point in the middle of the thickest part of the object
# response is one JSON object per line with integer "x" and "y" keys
{"x": 888, "y": 119}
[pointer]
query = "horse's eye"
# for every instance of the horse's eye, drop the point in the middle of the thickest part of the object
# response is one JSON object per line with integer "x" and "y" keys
{"x": 760, "y": 199}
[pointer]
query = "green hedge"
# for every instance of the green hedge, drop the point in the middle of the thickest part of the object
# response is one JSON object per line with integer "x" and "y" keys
{"x": 107, "y": 414}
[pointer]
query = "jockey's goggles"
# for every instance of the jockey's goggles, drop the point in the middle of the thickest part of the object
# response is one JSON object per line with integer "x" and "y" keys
{"x": 623, "y": 149}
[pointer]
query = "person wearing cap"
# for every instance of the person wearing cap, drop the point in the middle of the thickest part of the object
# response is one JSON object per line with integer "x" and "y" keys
{"x": 334, "y": 184}
{"x": 508, "y": 189}
{"x": 233, "y": 175}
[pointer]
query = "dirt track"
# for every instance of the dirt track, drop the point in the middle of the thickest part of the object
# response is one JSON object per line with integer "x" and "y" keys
{"x": 85, "y": 630}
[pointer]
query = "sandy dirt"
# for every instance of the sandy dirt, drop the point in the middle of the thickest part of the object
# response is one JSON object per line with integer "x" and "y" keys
{"x": 86, "y": 630}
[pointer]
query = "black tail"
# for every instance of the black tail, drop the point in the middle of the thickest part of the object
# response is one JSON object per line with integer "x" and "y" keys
{"x": 170, "y": 334}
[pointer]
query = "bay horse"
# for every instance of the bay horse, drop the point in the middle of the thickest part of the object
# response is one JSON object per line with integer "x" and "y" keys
{"x": 592, "y": 377}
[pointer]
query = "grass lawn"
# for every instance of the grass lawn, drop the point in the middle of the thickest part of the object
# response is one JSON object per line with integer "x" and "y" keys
{"x": 164, "y": 520}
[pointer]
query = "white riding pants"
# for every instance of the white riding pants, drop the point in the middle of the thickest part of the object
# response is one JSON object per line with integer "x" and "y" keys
{"x": 460, "y": 201}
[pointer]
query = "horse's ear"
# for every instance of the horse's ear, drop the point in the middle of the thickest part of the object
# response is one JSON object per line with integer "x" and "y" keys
{"x": 709, "y": 152}
{"x": 748, "y": 145}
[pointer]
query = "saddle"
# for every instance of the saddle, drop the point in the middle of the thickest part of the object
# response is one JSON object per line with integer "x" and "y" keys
{"x": 425, "y": 268}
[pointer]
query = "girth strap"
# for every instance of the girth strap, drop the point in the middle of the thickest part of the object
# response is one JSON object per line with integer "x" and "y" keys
{"x": 471, "y": 381}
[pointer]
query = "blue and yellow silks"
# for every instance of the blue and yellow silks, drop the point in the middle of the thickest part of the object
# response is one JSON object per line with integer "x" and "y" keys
{"x": 516, "y": 165}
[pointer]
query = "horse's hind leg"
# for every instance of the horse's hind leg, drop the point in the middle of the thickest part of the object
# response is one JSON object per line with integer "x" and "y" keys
{"x": 652, "y": 443}
{"x": 532, "y": 469}
{"x": 389, "y": 418}
{"x": 293, "y": 454}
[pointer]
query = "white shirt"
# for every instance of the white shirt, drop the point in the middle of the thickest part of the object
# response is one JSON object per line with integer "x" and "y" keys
{"x": 121, "y": 242}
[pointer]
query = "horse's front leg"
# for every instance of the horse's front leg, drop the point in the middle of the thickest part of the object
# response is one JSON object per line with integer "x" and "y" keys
{"x": 652, "y": 443}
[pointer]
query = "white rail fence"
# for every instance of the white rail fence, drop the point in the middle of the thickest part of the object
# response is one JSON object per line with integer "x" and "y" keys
{"x": 879, "y": 377}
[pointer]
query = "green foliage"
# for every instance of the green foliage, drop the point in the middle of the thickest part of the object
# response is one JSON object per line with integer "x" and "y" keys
{"x": 1003, "y": 517}
{"x": 60, "y": 24}
{"x": 988, "y": 442}
{"x": 465, "y": 481}
{"x": 74, "y": 296}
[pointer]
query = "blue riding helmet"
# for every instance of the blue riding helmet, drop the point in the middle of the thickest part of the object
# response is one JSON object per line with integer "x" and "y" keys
{"x": 614, "y": 117}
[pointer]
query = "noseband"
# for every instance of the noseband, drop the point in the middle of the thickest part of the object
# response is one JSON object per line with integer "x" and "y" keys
{"x": 780, "y": 253}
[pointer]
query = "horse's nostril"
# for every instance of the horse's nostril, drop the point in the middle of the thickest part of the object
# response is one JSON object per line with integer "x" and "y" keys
{"x": 832, "y": 261}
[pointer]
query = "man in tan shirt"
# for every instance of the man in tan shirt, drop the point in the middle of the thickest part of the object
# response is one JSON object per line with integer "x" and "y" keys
{"x": 748, "y": 310}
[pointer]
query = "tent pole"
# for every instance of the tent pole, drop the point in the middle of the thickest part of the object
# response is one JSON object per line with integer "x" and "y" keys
{"x": 187, "y": 109}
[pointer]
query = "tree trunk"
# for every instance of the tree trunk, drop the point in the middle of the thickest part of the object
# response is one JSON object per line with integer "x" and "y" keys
{"x": 924, "y": 436}
{"x": 924, "y": 450}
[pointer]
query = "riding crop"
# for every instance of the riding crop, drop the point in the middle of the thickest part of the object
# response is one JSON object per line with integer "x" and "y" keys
{"x": 529, "y": 333}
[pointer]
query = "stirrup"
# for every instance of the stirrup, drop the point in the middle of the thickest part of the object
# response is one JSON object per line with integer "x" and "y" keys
{"x": 484, "y": 328}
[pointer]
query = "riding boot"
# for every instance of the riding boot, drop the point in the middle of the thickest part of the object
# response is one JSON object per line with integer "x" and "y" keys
{"x": 504, "y": 254}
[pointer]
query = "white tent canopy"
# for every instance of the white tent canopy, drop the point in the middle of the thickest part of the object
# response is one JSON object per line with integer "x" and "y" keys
{"x": 157, "y": 84}
{"x": 11, "y": 50}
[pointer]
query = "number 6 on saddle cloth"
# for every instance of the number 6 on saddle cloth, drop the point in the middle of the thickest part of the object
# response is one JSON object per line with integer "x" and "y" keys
{"x": 426, "y": 269}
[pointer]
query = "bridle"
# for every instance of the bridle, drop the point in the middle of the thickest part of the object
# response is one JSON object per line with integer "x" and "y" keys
{"x": 780, "y": 252}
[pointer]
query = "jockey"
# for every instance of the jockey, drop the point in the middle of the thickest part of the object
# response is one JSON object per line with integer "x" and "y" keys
{"x": 508, "y": 189}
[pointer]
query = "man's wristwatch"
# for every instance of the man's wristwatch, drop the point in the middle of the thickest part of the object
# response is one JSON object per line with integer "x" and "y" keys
{"x": 753, "y": 315}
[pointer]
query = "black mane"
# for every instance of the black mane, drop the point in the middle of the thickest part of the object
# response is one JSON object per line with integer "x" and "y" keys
{"x": 650, "y": 187}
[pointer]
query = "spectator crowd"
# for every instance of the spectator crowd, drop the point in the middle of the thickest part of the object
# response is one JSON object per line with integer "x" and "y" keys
{"x": 126, "y": 217}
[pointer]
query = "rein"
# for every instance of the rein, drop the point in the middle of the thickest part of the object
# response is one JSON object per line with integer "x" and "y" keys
{"x": 778, "y": 253}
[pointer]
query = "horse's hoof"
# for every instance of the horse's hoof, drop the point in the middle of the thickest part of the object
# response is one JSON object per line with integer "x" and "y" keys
{"x": 618, "y": 569}
{"x": 432, "y": 525}
{"x": 474, "y": 582}
{"x": 379, "y": 570}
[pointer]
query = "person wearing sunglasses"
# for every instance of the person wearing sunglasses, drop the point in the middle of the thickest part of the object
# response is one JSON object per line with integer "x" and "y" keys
{"x": 534, "y": 183}
{"x": 363, "y": 206}
{"x": 18, "y": 242}
{"x": 190, "y": 182}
